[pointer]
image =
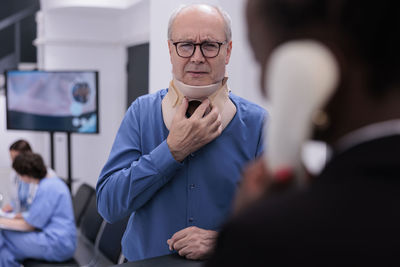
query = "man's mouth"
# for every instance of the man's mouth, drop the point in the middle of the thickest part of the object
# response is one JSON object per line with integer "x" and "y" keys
{"x": 197, "y": 73}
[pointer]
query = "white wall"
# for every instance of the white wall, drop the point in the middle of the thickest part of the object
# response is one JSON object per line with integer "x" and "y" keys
{"x": 135, "y": 24}
{"x": 38, "y": 140}
{"x": 7, "y": 137}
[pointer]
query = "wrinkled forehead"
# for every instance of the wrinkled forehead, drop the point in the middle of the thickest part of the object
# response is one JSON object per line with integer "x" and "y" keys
{"x": 199, "y": 23}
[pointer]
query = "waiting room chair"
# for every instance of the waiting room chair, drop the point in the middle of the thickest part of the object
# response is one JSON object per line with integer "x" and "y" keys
{"x": 81, "y": 200}
{"x": 108, "y": 245}
{"x": 88, "y": 233}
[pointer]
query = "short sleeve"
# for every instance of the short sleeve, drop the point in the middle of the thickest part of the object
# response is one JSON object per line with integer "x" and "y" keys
{"x": 42, "y": 208}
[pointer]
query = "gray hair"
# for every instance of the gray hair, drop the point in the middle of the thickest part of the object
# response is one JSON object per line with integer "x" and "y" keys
{"x": 223, "y": 13}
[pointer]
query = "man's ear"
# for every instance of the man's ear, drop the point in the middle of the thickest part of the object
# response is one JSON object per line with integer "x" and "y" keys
{"x": 170, "y": 47}
{"x": 228, "y": 52}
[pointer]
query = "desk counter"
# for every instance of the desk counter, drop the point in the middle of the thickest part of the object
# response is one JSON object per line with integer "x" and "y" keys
{"x": 173, "y": 260}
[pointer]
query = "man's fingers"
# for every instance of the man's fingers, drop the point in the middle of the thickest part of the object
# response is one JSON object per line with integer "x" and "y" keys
{"x": 180, "y": 234}
{"x": 169, "y": 242}
{"x": 191, "y": 256}
{"x": 181, "y": 111}
{"x": 196, "y": 243}
{"x": 176, "y": 237}
{"x": 201, "y": 110}
{"x": 180, "y": 244}
{"x": 184, "y": 252}
{"x": 215, "y": 129}
{"x": 216, "y": 123}
{"x": 211, "y": 117}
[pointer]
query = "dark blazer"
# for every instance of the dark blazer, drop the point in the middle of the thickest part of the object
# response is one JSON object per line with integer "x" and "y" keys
{"x": 348, "y": 216}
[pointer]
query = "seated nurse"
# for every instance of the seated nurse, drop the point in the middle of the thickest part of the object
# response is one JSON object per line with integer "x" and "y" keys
{"x": 48, "y": 232}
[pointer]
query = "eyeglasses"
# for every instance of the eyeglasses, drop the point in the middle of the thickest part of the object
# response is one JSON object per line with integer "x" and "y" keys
{"x": 208, "y": 49}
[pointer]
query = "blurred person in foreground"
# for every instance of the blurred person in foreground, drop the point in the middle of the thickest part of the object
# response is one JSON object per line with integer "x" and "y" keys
{"x": 48, "y": 231}
{"x": 177, "y": 158}
{"x": 21, "y": 194}
{"x": 330, "y": 71}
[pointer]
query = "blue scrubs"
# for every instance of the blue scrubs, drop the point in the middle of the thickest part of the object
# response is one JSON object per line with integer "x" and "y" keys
{"x": 52, "y": 214}
{"x": 142, "y": 180}
{"x": 23, "y": 195}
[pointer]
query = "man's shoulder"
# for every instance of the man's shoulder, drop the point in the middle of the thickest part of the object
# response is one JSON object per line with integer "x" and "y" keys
{"x": 151, "y": 98}
{"x": 245, "y": 106}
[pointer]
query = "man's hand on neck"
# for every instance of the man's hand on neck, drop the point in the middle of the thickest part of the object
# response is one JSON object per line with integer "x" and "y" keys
{"x": 193, "y": 105}
{"x": 189, "y": 134}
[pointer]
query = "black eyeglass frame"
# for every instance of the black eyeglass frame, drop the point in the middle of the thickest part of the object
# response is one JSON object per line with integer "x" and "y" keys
{"x": 200, "y": 45}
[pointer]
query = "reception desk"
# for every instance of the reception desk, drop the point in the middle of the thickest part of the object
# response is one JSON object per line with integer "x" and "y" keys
{"x": 173, "y": 260}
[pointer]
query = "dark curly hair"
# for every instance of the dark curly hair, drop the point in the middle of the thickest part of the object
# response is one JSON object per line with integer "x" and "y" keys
{"x": 21, "y": 146}
{"x": 30, "y": 164}
{"x": 371, "y": 27}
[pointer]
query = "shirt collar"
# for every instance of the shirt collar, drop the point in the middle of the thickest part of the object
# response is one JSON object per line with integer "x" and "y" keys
{"x": 368, "y": 133}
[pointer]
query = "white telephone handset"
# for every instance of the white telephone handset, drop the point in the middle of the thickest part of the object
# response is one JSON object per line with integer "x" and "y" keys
{"x": 301, "y": 76}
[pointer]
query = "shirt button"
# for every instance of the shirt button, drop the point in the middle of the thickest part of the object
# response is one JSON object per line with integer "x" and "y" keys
{"x": 192, "y": 186}
{"x": 191, "y": 219}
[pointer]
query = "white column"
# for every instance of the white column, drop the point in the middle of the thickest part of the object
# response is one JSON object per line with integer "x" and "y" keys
{"x": 87, "y": 39}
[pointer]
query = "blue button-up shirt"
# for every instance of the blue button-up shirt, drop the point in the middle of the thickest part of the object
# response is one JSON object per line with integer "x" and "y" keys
{"x": 142, "y": 180}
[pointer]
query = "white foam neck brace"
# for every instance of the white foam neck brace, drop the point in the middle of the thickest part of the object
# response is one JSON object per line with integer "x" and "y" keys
{"x": 301, "y": 77}
{"x": 196, "y": 92}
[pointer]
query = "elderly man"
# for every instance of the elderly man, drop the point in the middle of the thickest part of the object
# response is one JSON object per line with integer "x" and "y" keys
{"x": 177, "y": 157}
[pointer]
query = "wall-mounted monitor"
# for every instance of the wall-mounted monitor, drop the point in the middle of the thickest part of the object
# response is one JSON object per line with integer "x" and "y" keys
{"x": 54, "y": 101}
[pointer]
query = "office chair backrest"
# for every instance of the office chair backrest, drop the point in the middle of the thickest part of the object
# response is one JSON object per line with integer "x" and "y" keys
{"x": 91, "y": 220}
{"x": 110, "y": 240}
{"x": 81, "y": 200}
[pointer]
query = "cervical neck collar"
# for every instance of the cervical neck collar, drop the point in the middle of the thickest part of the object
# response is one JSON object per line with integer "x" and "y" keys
{"x": 218, "y": 94}
{"x": 196, "y": 92}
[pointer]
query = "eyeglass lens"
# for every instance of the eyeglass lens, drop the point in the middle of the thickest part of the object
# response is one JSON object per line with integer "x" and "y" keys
{"x": 209, "y": 49}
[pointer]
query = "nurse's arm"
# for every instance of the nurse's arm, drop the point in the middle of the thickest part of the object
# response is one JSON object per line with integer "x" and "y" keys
{"x": 18, "y": 224}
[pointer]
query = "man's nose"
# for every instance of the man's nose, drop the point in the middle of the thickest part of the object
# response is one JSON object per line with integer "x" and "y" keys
{"x": 197, "y": 57}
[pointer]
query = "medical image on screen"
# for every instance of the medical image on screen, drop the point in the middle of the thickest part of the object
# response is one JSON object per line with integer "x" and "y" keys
{"x": 52, "y": 101}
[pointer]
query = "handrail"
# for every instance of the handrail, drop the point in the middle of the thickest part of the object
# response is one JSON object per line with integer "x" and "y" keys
{"x": 20, "y": 15}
